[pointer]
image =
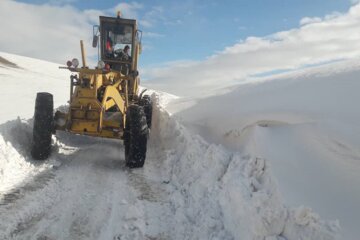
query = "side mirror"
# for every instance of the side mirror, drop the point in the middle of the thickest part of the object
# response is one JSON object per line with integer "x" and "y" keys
{"x": 95, "y": 41}
{"x": 96, "y": 33}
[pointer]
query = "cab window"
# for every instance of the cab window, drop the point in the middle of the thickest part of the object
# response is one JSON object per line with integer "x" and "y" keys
{"x": 116, "y": 38}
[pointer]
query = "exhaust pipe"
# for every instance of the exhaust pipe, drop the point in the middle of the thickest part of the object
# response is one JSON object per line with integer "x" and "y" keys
{"x": 83, "y": 53}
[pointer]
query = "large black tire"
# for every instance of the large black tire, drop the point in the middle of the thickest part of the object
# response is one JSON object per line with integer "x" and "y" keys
{"x": 135, "y": 137}
{"x": 43, "y": 126}
{"x": 147, "y": 105}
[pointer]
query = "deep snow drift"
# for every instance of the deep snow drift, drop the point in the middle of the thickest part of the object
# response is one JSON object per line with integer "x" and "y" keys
{"x": 306, "y": 124}
{"x": 188, "y": 189}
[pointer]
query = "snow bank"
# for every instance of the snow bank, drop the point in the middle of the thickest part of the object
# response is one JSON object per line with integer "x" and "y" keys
{"x": 16, "y": 165}
{"x": 225, "y": 195}
{"x": 306, "y": 124}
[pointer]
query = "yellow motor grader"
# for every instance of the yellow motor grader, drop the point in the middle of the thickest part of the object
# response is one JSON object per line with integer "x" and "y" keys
{"x": 104, "y": 101}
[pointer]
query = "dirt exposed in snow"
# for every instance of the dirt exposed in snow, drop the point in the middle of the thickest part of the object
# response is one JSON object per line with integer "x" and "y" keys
{"x": 7, "y": 63}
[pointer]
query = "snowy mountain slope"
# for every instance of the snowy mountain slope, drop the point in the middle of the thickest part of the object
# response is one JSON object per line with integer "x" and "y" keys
{"x": 188, "y": 189}
{"x": 306, "y": 124}
{"x": 23, "y": 79}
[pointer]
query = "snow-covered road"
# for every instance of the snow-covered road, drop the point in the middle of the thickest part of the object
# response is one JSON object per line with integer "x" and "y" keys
{"x": 188, "y": 189}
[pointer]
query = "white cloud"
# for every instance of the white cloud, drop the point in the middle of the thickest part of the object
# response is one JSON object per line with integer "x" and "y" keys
{"x": 45, "y": 31}
{"x": 152, "y": 17}
{"x": 307, "y": 20}
{"x": 53, "y": 31}
{"x": 336, "y": 36}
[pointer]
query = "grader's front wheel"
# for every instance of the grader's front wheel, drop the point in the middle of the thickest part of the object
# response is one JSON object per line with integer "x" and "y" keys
{"x": 147, "y": 105}
{"x": 135, "y": 137}
{"x": 43, "y": 126}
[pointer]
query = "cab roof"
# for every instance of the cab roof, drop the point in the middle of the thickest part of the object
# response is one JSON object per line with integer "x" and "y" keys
{"x": 117, "y": 20}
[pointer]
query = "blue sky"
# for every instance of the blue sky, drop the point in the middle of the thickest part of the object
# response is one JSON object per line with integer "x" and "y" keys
{"x": 194, "y": 30}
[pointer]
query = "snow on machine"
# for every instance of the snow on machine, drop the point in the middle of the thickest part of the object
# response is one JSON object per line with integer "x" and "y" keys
{"x": 104, "y": 101}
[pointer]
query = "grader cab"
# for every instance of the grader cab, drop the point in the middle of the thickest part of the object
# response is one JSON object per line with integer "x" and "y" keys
{"x": 104, "y": 101}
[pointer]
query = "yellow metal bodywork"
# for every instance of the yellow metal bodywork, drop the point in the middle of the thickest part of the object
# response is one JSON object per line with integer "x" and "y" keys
{"x": 94, "y": 94}
{"x": 97, "y": 93}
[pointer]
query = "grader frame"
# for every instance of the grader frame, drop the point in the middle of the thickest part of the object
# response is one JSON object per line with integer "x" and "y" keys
{"x": 105, "y": 101}
{"x": 93, "y": 92}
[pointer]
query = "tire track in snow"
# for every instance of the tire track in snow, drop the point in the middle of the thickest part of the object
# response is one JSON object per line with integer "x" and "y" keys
{"x": 97, "y": 196}
{"x": 79, "y": 196}
{"x": 39, "y": 181}
{"x": 83, "y": 207}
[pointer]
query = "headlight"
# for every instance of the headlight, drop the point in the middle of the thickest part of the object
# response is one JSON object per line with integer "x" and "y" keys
{"x": 101, "y": 64}
{"x": 75, "y": 63}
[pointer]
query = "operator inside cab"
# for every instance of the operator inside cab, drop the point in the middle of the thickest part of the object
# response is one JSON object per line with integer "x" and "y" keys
{"x": 123, "y": 54}
{"x": 118, "y": 47}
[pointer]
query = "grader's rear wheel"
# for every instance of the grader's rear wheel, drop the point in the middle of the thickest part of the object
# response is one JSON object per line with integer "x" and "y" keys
{"x": 135, "y": 137}
{"x": 43, "y": 126}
